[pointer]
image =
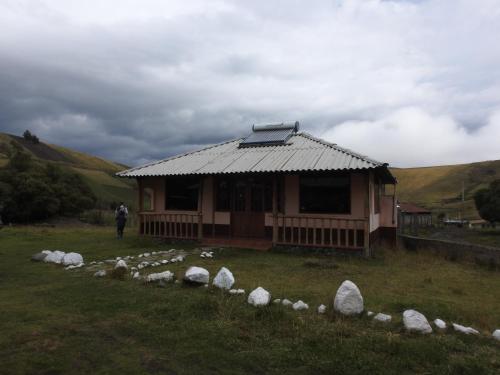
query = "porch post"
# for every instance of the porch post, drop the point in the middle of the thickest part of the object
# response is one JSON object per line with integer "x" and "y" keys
{"x": 200, "y": 209}
{"x": 368, "y": 208}
{"x": 275, "y": 210}
{"x": 139, "y": 205}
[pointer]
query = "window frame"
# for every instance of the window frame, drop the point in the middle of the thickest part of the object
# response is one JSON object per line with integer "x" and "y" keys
{"x": 168, "y": 181}
{"x": 316, "y": 175}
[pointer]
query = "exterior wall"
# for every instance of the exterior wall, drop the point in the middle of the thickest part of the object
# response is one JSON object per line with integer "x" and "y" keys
{"x": 388, "y": 215}
{"x": 291, "y": 200}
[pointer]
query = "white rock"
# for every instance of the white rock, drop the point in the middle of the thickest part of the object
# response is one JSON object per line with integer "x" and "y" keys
{"x": 240, "y": 291}
{"x": 118, "y": 258}
{"x": 380, "y": 317}
{"x": 54, "y": 257}
{"x": 121, "y": 264}
{"x": 233, "y": 291}
{"x": 46, "y": 252}
{"x": 348, "y": 300}
{"x": 156, "y": 264}
{"x": 224, "y": 279}
{"x": 321, "y": 309}
{"x": 147, "y": 254}
{"x": 140, "y": 255}
{"x": 164, "y": 276}
{"x": 164, "y": 261}
{"x": 154, "y": 253}
{"x": 299, "y": 305}
{"x": 202, "y": 256}
{"x": 466, "y": 330}
{"x": 440, "y": 323}
{"x": 370, "y": 313}
{"x": 136, "y": 275}
{"x": 286, "y": 302}
{"x": 259, "y": 297}
{"x": 73, "y": 266}
{"x": 100, "y": 273}
{"x": 197, "y": 275}
{"x": 496, "y": 334}
{"x": 416, "y": 322}
{"x": 72, "y": 259}
{"x": 277, "y": 301}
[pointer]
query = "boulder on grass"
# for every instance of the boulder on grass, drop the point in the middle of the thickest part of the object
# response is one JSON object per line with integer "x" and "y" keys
{"x": 496, "y": 334}
{"x": 224, "y": 279}
{"x": 100, "y": 273}
{"x": 54, "y": 257}
{"x": 416, "y": 322}
{"x": 38, "y": 257}
{"x": 259, "y": 297}
{"x": 196, "y": 275}
{"x": 286, "y": 302}
{"x": 440, "y": 323}
{"x": 161, "y": 276}
{"x": 72, "y": 259}
{"x": 466, "y": 330}
{"x": 121, "y": 264}
{"x": 384, "y": 318}
{"x": 348, "y": 300}
{"x": 321, "y": 309}
{"x": 300, "y": 305}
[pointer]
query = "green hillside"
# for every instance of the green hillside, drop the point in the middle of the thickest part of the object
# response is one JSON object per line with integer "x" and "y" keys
{"x": 440, "y": 188}
{"x": 97, "y": 172}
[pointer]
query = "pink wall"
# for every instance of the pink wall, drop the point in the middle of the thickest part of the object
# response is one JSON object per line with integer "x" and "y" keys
{"x": 358, "y": 201}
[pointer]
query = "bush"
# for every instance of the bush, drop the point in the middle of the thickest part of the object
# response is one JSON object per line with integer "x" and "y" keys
{"x": 488, "y": 202}
{"x": 30, "y": 191}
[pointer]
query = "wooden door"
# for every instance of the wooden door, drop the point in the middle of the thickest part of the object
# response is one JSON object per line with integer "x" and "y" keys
{"x": 247, "y": 215}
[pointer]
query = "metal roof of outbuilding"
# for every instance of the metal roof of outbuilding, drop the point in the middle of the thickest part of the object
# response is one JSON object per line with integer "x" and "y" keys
{"x": 301, "y": 152}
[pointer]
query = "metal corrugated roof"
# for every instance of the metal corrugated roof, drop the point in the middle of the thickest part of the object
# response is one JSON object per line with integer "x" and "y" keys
{"x": 301, "y": 152}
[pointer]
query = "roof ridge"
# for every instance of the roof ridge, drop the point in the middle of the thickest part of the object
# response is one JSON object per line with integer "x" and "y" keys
{"x": 177, "y": 156}
{"x": 339, "y": 148}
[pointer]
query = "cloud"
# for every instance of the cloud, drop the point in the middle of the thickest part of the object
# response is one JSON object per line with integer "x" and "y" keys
{"x": 134, "y": 83}
{"x": 412, "y": 137}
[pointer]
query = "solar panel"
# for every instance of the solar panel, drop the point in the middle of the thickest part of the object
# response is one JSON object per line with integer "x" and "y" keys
{"x": 268, "y": 135}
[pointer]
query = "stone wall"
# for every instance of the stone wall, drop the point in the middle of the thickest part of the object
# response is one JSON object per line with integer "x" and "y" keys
{"x": 483, "y": 255}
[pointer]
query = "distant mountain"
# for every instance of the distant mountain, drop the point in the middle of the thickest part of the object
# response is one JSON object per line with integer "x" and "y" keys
{"x": 440, "y": 188}
{"x": 97, "y": 172}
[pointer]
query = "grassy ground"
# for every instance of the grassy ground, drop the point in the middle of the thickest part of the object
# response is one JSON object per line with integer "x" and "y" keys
{"x": 61, "y": 322}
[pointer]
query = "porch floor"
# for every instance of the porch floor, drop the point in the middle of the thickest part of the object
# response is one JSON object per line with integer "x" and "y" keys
{"x": 239, "y": 242}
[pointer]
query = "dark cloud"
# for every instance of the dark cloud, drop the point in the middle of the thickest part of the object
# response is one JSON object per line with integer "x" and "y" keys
{"x": 134, "y": 84}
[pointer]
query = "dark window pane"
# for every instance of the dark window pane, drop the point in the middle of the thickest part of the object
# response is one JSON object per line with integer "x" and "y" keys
{"x": 223, "y": 195}
{"x": 325, "y": 194}
{"x": 182, "y": 193}
{"x": 240, "y": 196}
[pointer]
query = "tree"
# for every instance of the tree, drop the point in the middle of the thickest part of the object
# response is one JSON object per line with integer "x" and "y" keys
{"x": 31, "y": 190}
{"x": 27, "y": 135}
{"x": 488, "y": 202}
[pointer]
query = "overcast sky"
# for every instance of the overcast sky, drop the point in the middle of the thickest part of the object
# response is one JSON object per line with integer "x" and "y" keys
{"x": 411, "y": 83}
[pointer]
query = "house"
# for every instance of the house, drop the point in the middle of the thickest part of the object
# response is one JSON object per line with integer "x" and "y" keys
{"x": 277, "y": 186}
{"x": 411, "y": 214}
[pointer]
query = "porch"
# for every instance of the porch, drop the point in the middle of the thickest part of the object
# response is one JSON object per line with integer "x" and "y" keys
{"x": 287, "y": 230}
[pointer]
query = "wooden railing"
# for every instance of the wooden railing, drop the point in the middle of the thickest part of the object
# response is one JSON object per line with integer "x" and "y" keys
{"x": 182, "y": 226}
{"x": 322, "y": 232}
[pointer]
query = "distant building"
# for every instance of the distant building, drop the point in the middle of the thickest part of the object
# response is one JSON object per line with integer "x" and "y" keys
{"x": 411, "y": 214}
{"x": 277, "y": 186}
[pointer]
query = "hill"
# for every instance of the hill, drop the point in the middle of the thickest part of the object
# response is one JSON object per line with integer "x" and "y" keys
{"x": 440, "y": 188}
{"x": 97, "y": 172}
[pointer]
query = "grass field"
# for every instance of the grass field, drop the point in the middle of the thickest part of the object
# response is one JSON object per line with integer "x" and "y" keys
{"x": 54, "y": 321}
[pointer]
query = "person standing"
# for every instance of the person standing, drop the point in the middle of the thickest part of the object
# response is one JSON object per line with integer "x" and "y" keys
{"x": 121, "y": 214}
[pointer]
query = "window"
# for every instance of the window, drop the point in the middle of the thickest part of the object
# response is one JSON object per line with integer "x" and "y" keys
{"x": 223, "y": 195}
{"x": 148, "y": 199}
{"x": 182, "y": 193}
{"x": 325, "y": 194}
